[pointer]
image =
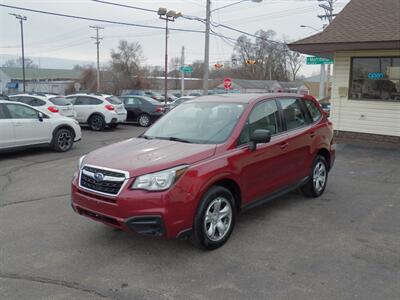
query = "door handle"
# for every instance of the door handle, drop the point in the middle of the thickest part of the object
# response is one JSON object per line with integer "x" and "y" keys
{"x": 312, "y": 134}
{"x": 284, "y": 145}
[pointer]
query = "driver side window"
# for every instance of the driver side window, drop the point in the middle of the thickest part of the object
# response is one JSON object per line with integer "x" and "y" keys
{"x": 21, "y": 112}
{"x": 264, "y": 116}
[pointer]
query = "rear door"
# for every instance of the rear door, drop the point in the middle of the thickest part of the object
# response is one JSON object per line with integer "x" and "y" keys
{"x": 297, "y": 125}
{"x": 132, "y": 106}
{"x": 7, "y": 134}
{"x": 28, "y": 129}
{"x": 85, "y": 106}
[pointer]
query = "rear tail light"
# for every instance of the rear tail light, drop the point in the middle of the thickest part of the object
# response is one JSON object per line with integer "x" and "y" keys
{"x": 53, "y": 109}
{"x": 110, "y": 107}
{"x": 159, "y": 109}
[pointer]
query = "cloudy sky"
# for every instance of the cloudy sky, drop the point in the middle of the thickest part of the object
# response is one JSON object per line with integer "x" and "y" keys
{"x": 58, "y": 37}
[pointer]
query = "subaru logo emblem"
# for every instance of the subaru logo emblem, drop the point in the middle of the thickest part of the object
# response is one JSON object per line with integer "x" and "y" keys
{"x": 99, "y": 177}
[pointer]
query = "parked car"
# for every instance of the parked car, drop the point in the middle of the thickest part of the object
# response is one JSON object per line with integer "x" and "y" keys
{"x": 179, "y": 101}
{"x": 47, "y": 103}
{"x": 155, "y": 96}
{"x": 25, "y": 126}
{"x": 133, "y": 92}
{"x": 205, "y": 161}
{"x": 142, "y": 110}
{"x": 177, "y": 95}
{"x": 327, "y": 108}
{"x": 98, "y": 111}
{"x": 195, "y": 94}
{"x": 171, "y": 97}
{"x": 4, "y": 97}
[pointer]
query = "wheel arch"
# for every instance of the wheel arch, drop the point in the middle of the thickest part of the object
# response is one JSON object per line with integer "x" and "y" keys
{"x": 63, "y": 126}
{"x": 325, "y": 154}
{"x": 96, "y": 113}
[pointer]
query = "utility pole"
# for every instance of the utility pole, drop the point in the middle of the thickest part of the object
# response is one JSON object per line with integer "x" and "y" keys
{"x": 207, "y": 49}
{"x": 328, "y": 9}
{"x": 21, "y": 19}
{"x": 97, "y": 38}
{"x": 182, "y": 73}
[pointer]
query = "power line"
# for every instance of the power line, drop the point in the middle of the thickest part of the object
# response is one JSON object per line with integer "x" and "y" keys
{"x": 97, "y": 20}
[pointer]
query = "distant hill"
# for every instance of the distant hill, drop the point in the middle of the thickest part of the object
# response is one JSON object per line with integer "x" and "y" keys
{"x": 48, "y": 62}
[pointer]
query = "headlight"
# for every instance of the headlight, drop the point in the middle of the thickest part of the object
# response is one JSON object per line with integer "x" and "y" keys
{"x": 159, "y": 181}
{"x": 81, "y": 162}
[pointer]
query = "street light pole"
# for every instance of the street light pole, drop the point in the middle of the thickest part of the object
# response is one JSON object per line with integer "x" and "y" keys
{"x": 207, "y": 39}
{"x": 168, "y": 16}
{"x": 21, "y": 19}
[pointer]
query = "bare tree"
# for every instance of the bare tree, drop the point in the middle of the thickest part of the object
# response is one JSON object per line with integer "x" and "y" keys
{"x": 295, "y": 61}
{"x": 17, "y": 63}
{"x": 126, "y": 65}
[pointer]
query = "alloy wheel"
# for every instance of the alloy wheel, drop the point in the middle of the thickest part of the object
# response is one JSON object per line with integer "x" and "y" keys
{"x": 319, "y": 176}
{"x": 65, "y": 140}
{"x": 144, "y": 121}
{"x": 218, "y": 219}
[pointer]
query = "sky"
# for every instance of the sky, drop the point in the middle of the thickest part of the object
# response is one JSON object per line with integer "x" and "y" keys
{"x": 58, "y": 37}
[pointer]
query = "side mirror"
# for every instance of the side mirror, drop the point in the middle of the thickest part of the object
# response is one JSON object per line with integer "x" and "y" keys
{"x": 259, "y": 136}
{"x": 40, "y": 116}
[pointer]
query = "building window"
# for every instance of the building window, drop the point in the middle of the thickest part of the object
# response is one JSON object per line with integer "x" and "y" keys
{"x": 375, "y": 78}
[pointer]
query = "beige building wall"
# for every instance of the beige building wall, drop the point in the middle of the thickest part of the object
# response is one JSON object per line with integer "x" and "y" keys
{"x": 369, "y": 116}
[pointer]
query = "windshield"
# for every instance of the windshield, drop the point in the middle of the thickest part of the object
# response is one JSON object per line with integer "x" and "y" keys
{"x": 113, "y": 100}
{"x": 201, "y": 123}
{"x": 60, "y": 101}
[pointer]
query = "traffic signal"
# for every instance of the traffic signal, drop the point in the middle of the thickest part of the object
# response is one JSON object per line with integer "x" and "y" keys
{"x": 250, "y": 62}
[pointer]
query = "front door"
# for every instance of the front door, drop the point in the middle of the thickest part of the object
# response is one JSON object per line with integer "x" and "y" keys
{"x": 7, "y": 134}
{"x": 132, "y": 108}
{"x": 263, "y": 170}
{"x": 28, "y": 129}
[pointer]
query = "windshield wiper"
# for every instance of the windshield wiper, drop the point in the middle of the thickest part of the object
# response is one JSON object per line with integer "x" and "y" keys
{"x": 176, "y": 139}
{"x": 143, "y": 136}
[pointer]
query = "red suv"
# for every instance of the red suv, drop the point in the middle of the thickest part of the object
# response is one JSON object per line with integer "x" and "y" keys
{"x": 203, "y": 162}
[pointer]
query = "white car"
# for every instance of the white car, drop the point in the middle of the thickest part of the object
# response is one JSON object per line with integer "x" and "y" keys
{"x": 24, "y": 126}
{"x": 98, "y": 110}
{"x": 47, "y": 103}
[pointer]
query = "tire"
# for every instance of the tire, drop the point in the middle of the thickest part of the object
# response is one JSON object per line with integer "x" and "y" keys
{"x": 63, "y": 140}
{"x": 144, "y": 120}
{"x": 316, "y": 184}
{"x": 97, "y": 123}
{"x": 211, "y": 230}
{"x": 113, "y": 126}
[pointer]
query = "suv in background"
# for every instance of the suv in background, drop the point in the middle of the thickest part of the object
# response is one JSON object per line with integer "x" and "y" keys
{"x": 47, "y": 103}
{"x": 205, "y": 161}
{"x": 24, "y": 126}
{"x": 142, "y": 110}
{"x": 98, "y": 111}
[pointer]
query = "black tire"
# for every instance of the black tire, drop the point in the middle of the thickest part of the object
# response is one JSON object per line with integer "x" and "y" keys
{"x": 63, "y": 140}
{"x": 113, "y": 126}
{"x": 314, "y": 187}
{"x": 97, "y": 123}
{"x": 144, "y": 120}
{"x": 201, "y": 237}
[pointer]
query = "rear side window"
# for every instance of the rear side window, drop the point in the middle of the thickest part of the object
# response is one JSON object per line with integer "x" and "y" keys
{"x": 21, "y": 112}
{"x": 313, "y": 109}
{"x": 131, "y": 101}
{"x": 60, "y": 101}
{"x": 82, "y": 100}
{"x": 293, "y": 113}
{"x": 264, "y": 116}
{"x": 32, "y": 101}
{"x": 113, "y": 100}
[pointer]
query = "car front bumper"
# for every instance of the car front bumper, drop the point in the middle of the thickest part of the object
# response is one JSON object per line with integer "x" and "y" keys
{"x": 166, "y": 214}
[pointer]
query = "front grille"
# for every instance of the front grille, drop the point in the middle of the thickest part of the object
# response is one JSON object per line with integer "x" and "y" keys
{"x": 99, "y": 217}
{"x": 111, "y": 184}
{"x": 104, "y": 172}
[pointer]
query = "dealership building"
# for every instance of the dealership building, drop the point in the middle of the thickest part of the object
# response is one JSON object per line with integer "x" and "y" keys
{"x": 364, "y": 41}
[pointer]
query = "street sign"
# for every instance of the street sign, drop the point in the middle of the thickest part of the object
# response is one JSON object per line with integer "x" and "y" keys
{"x": 315, "y": 60}
{"x": 186, "y": 69}
{"x": 227, "y": 83}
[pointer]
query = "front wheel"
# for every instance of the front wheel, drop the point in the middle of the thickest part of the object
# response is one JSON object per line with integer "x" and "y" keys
{"x": 63, "y": 140}
{"x": 215, "y": 218}
{"x": 316, "y": 184}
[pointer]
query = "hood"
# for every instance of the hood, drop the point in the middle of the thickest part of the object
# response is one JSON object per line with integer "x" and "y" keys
{"x": 140, "y": 156}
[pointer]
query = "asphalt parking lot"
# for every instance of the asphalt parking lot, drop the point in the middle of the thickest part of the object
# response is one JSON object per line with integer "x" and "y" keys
{"x": 343, "y": 245}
